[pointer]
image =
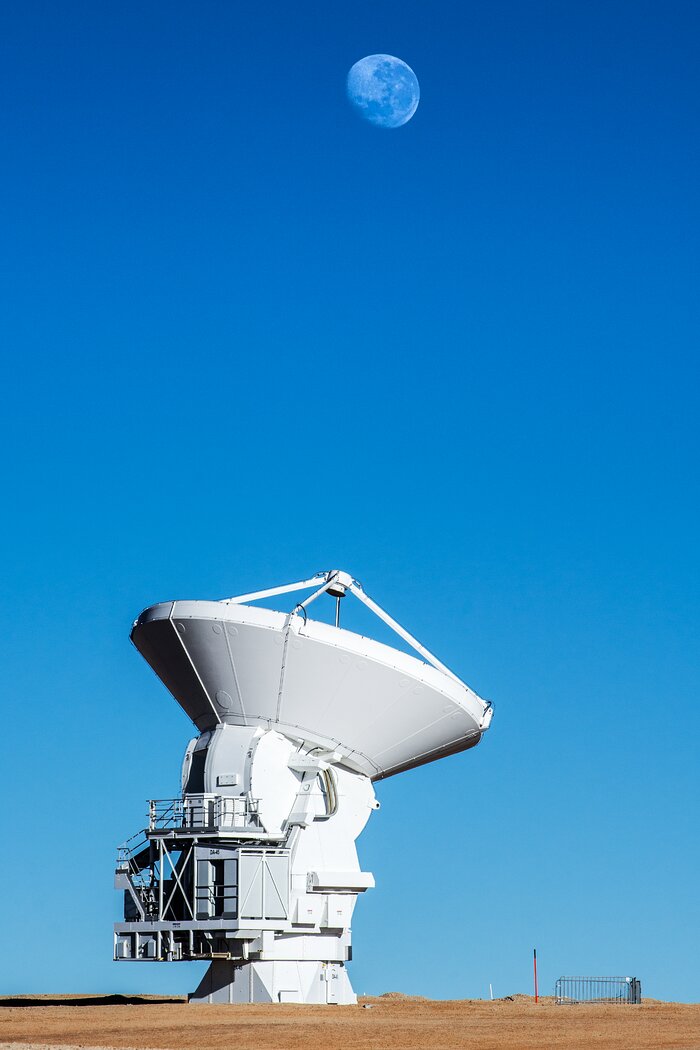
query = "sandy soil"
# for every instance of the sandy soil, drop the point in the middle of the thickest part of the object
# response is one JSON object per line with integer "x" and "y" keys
{"x": 392, "y": 1022}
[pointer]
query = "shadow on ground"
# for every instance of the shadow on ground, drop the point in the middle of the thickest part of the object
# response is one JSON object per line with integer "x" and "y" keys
{"x": 89, "y": 1000}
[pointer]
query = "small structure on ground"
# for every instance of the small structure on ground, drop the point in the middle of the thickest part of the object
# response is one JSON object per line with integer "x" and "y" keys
{"x": 570, "y": 991}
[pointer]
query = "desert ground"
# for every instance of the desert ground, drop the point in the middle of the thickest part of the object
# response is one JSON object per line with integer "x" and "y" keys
{"x": 388, "y": 1022}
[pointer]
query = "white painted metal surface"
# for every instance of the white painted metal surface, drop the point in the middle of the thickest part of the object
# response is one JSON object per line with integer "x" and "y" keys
{"x": 295, "y": 718}
{"x": 380, "y": 709}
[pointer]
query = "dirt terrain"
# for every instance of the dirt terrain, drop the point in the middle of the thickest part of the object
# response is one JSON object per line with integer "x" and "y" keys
{"x": 391, "y": 1022}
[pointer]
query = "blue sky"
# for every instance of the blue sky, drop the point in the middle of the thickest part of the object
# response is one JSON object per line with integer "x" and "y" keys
{"x": 247, "y": 336}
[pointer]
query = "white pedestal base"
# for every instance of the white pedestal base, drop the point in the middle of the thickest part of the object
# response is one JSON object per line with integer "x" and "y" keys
{"x": 286, "y": 981}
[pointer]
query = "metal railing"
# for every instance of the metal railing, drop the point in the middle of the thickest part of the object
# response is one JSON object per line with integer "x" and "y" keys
{"x": 128, "y": 850}
{"x": 570, "y": 991}
{"x": 165, "y": 813}
{"x": 203, "y": 811}
{"x": 193, "y": 812}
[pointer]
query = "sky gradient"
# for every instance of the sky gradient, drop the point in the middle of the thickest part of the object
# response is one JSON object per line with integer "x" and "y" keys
{"x": 247, "y": 336}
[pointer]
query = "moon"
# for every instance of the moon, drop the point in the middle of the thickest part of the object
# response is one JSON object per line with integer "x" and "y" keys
{"x": 383, "y": 90}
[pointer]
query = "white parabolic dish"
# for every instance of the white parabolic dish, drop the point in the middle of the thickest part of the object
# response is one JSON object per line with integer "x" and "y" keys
{"x": 380, "y": 710}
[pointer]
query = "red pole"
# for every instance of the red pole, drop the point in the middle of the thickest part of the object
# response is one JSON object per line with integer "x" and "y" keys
{"x": 534, "y": 960}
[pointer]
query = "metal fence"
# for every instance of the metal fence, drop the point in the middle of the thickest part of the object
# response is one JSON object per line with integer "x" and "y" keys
{"x": 572, "y": 990}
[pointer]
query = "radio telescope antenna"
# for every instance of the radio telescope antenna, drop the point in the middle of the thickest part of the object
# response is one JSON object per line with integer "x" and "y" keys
{"x": 254, "y": 867}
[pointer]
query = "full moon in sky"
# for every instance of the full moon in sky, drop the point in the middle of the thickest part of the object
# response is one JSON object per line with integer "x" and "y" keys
{"x": 383, "y": 90}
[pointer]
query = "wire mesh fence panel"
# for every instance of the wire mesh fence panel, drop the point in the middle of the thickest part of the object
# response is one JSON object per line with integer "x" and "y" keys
{"x": 573, "y": 990}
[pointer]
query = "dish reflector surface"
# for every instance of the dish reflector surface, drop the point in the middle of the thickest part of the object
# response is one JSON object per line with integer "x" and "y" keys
{"x": 381, "y": 710}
